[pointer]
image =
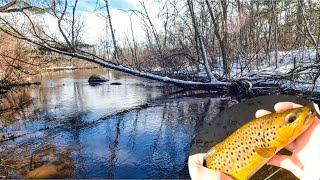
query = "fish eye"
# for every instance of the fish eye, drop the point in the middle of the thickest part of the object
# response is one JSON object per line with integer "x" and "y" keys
{"x": 290, "y": 118}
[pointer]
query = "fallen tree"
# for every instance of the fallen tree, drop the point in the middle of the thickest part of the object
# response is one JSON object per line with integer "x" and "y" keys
{"x": 71, "y": 47}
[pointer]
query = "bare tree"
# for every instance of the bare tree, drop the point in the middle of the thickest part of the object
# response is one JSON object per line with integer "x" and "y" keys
{"x": 194, "y": 33}
{"x": 53, "y": 45}
{"x": 116, "y": 55}
{"x": 11, "y": 6}
{"x": 222, "y": 40}
{"x": 200, "y": 40}
{"x": 311, "y": 37}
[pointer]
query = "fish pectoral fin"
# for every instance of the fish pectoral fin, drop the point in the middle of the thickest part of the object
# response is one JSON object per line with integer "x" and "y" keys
{"x": 266, "y": 152}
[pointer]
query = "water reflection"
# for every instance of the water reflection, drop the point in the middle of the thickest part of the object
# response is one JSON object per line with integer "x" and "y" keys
{"x": 145, "y": 143}
{"x": 69, "y": 126}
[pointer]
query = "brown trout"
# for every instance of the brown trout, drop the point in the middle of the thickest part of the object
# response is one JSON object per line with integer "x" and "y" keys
{"x": 247, "y": 149}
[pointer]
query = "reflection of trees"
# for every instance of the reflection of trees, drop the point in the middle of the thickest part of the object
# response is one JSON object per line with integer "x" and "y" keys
{"x": 33, "y": 154}
{"x": 14, "y": 99}
{"x": 14, "y": 106}
{"x": 114, "y": 149}
{"x": 174, "y": 119}
{"x": 206, "y": 112}
{"x": 175, "y": 112}
{"x": 159, "y": 132}
{"x": 133, "y": 133}
{"x": 77, "y": 94}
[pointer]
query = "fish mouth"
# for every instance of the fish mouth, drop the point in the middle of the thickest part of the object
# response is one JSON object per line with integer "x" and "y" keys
{"x": 310, "y": 115}
{"x": 316, "y": 110}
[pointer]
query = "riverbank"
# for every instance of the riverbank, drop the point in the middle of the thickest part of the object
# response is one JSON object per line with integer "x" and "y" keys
{"x": 69, "y": 68}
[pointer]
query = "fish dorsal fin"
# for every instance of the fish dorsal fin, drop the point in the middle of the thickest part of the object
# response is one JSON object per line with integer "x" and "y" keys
{"x": 266, "y": 152}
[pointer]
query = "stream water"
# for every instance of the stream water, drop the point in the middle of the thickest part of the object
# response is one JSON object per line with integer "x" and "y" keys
{"x": 74, "y": 130}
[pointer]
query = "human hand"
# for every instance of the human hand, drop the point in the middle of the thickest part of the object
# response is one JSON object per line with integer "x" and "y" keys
{"x": 305, "y": 159}
{"x": 197, "y": 171}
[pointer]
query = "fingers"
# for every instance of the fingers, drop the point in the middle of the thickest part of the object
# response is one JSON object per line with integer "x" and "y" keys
{"x": 288, "y": 163}
{"x": 292, "y": 146}
{"x": 279, "y": 107}
{"x": 283, "y": 106}
{"x": 262, "y": 112}
{"x": 198, "y": 171}
{"x": 197, "y": 158}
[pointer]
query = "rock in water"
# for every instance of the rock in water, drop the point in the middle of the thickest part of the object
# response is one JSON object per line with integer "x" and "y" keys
{"x": 96, "y": 79}
{"x": 115, "y": 83}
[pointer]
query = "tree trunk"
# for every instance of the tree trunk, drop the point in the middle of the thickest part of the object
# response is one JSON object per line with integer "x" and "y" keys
{"x": 202, "y": 47}
{"x": 222, "y": 41}
{"x": 116, "y": 55}
{"x": 225, "y": 45}
{"x": 275, "y": 24}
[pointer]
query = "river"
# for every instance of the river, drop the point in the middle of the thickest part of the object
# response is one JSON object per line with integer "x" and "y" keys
{"x": 74, "y": 130}
{"x": 139, "y": 129}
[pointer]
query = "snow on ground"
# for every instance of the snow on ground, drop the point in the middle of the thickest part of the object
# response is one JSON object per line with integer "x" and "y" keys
{"x": 302, "y": 57}
{"x": 260, "y": 64}
{"x": 286, "y": 61}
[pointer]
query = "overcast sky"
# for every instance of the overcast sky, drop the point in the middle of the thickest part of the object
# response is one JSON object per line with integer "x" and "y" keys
{"x": 95, "y": 23}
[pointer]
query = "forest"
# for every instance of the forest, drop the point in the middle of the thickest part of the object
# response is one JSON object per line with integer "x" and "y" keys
{"x": 208, "y": 45}
{"x": 153, "y": 51}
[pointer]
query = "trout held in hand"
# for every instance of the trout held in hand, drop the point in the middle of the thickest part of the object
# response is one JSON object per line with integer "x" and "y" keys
{"x": 246, "y": 150}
